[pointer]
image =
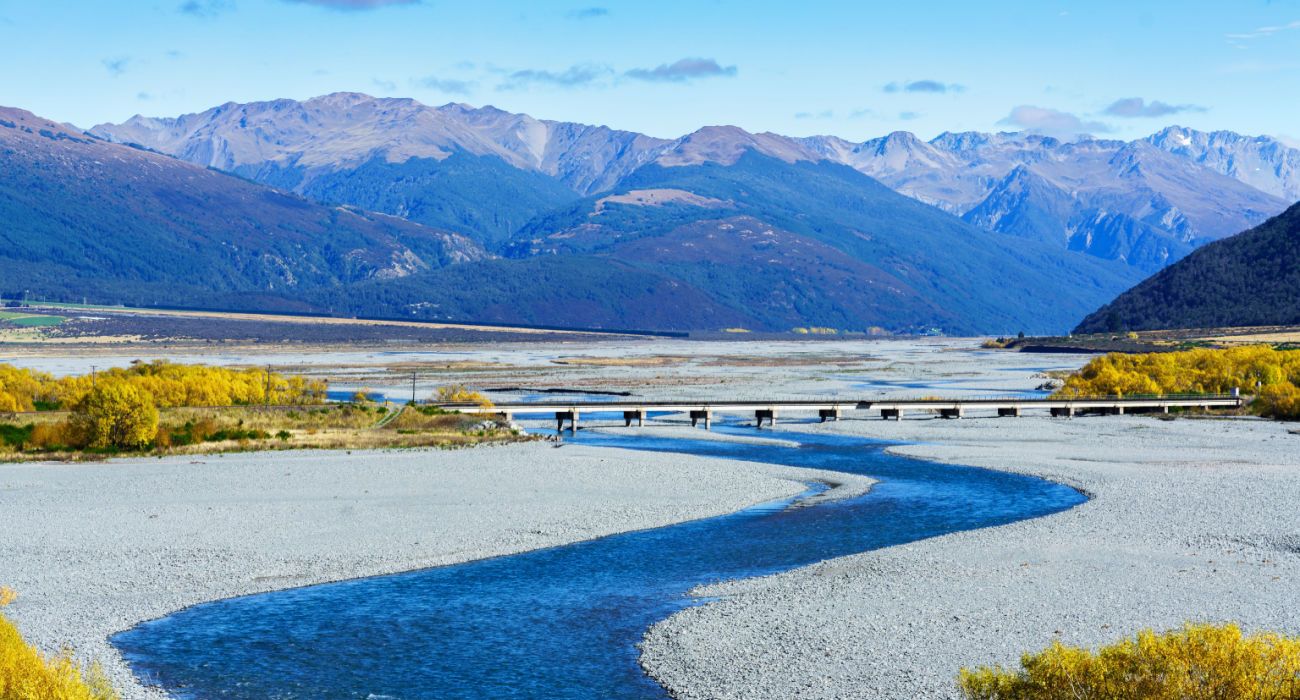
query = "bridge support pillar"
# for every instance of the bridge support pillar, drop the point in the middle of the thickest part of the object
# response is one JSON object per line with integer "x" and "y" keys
{"x": 1164, "y": 409}
{"x": 561, "y": 416}
{"x": 638, "y": 415}
{"x": 1013, "y": 412}
{"x": 895, "y": 413}
{"x": 705, "y": 415}
{"x": 829, "y": 414}
{"x": 764, "y": 413}
{"x": 950, "y": 412}
{"x": 505, "y": 416}
{"x": 1119, "y": 410}
{"x": 1063, "y": 412}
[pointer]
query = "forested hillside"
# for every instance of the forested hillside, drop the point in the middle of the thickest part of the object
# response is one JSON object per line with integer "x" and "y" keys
{"x": 1251, "y": 279}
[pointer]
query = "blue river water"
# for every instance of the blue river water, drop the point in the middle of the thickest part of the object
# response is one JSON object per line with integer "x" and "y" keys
{"x": 561, "y": 622}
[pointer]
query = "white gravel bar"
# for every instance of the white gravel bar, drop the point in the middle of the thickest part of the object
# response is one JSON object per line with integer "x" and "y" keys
{"x": 97, "y": 548}
{"x": 1189, "y": 520}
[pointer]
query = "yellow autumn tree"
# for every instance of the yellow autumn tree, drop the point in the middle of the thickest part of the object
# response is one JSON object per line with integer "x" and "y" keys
{"x": 459, "y": 393}
{"x": 25, "y": 674}
{"x": 115, "y": 414}
{"x": 171, "y": 385}
{"x": 1273, "y": 375}
{"x": 19, "y": 389}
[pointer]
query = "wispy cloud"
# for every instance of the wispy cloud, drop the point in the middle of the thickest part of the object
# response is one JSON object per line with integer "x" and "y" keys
{"x": 354, "y": 4}
{"x": 580, "y": 75}
{"x": 1136, "y": 107}
{"x": 909, "y": 116}
{"x": 116, "y": 66}
{"x": 824, "y": 114}
{"x": 205, "y": 8}
{"x": 1262, "y": 32}
{"x": 449, "y": 86}
{"x": 1256, "y": 67}
{"x": 1051, "y": 122}
{"x": 385, "y": 85}
{"x": 683, "y": 70}
{"x": 588, "y": 13}
{"x": 924, "y": 86}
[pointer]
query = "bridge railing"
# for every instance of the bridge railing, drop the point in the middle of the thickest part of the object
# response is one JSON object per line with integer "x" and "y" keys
{"x": 847, "y": 401}
{"x": 1052, "y": 397}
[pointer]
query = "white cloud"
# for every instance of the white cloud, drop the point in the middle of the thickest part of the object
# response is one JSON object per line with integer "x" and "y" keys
{"x": 1136, "y": 107}
{"x": 355, "y": 4}
{"x": 683, "y": 70}
{"x": 1051, "y": 122}
{"x": 580, "y": 75}
{"x": 930, "y": 86}
{"x": 1263, "y": 32}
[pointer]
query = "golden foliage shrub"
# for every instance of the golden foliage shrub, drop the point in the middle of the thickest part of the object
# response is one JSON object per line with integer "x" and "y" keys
{"x": 1197, "y": 661}
{"x": 1281, "y": 400}
{"x": 1257, "y": 369}
{"x": 170, "y": 384}
{"x": 27, "y": 675}
{"x": 20, "y": 388}
{"x": 115, "y": 414}
{"x": 458, "y": 393}
{"x": 50, "y": 436}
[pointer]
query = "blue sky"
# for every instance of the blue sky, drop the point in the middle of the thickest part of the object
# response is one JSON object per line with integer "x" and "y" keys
{"x": 854, "y": 69}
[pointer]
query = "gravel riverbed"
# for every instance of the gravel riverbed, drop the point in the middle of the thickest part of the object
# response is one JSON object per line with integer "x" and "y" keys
{"x": 1189, "y": 520}
{"x": 96, "y": 548}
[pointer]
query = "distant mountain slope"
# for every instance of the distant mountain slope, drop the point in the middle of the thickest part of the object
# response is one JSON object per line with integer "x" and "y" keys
{"x": 1264, "y": 163}
{"x": 483, "y": 171}
{"x": 570, "y": 291}
{"x": 794, "y": 243}
{"x": 82, "y": 217}
{"x": 1092, "y": 188}
{"x": 1251, "y": 279}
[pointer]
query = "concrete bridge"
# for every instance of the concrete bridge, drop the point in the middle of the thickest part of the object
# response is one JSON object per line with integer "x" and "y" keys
{"x": 833, "y": 409}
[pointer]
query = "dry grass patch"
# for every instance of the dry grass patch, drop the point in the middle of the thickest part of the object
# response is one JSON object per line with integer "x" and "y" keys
{"x": 646, "y": 361}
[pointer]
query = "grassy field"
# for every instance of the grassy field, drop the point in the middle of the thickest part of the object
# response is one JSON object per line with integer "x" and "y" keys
{"x": 1157, "y": 341}
{"x": 30, "y": 320}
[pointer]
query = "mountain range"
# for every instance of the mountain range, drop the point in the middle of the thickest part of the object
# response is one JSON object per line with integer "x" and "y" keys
{"x": 357, "y": 205}
{"x": 1142, "y": 202}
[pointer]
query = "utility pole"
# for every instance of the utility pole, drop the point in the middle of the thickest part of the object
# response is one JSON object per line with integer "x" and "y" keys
{"x": 92, "y": 377}
{"x": 268, "y": 386}
{"x": 412, "y": 387}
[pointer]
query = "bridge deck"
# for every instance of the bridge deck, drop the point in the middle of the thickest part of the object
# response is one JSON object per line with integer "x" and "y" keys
{"x": 832, "y": 408}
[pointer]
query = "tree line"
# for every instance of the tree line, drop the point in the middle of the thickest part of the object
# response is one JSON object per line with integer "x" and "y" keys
{"x": 118, "y": 408}
{"x": 1271, "y": 375}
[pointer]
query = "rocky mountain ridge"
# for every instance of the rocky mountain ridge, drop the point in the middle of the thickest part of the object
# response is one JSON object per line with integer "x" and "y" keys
{"x": 1145, "y": 203}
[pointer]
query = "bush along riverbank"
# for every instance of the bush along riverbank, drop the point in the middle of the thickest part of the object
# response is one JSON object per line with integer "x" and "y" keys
{"x": 1197, "y": 661}
{"x": 165, "y": 408}
{"x": 1270, "y": 376}
{"x": 26, "y": 674}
